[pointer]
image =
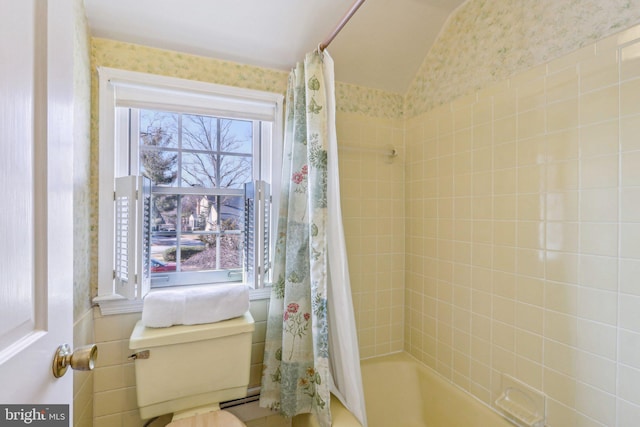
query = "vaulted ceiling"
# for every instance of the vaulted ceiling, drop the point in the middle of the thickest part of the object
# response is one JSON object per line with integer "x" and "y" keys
{"x": 381, "y": 47}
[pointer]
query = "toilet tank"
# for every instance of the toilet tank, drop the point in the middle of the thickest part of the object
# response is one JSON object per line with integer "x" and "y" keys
{"x": 191, "y": 366}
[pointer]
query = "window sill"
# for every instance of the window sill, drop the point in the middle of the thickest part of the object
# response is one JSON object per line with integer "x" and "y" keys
{"x": 116, "y": 304}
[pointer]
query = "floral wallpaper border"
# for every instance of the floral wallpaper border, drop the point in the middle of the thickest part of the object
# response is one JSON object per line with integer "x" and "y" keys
{"x": 491, "y": 40}
{"x": 486, "y": 41}
{"x": 128, "y": 56}
{"x": 371, "y": 102}
{"x": 349, "y": 98}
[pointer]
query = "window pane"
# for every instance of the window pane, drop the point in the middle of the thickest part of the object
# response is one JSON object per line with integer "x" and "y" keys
{"x": 158, "y": 129}
{"x": 203, "y": 231}
{"x": 235, "y": 171}
{"x": 199, "y": 132}
{"x": 199, "y": 213}
{"x": 231, "y": 212}
{"x": 231, "y": 251}
{"x": 210, "y": 251}
{"x": 199, "y": 170}
{"x": 236, "y": 136}
{"x": 194, "y": 255}
{"x": 161, "y": 167}
{"x": 163, "y": 234}
{"x": 160, "y": 266}
{"x": 163, "y": 215}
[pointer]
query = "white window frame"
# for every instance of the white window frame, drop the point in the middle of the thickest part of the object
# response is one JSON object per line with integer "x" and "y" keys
{"x": 135, "y": 89}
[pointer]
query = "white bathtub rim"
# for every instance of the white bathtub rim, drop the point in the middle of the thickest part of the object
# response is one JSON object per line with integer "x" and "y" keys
{"x": 403, "y": 356}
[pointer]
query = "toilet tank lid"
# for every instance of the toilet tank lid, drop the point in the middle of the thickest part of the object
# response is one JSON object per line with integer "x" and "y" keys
{"x": 143, "y": 337}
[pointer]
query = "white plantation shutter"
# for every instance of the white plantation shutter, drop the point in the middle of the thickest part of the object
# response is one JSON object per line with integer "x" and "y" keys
{"x": 132, "y": 273}
{"x": 257, "y": 207}
{"x": 143, "y": 284}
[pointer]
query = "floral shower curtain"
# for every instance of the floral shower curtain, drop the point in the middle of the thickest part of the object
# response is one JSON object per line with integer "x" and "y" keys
{"x": 297, "y": 376}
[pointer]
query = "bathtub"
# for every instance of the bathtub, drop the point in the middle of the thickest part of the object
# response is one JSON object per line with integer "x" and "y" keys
{"x": 400, "y": 392}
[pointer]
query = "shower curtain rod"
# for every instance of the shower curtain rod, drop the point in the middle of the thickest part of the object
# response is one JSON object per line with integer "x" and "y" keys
{"x": 356, "y": 5}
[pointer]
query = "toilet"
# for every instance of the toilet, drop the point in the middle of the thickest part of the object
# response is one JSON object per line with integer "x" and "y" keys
{"x": 189, "y": 370}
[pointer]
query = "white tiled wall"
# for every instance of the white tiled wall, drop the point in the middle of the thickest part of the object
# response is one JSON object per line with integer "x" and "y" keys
{"x": 372, "y": 195}
{"x": 114, "y": 378}
{"x": 83, "y": 380}
{"x": 523, "y": 235}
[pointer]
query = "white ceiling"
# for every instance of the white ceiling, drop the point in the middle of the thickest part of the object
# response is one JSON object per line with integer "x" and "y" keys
{"x": 382, "y": 46}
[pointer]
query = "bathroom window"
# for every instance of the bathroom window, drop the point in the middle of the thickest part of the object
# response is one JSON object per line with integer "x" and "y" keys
{"x": 199, "y": 158}
{"x": 201, "y": 169}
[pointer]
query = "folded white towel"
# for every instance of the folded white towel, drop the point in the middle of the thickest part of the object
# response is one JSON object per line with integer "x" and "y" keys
{"x": 192, "y": 305}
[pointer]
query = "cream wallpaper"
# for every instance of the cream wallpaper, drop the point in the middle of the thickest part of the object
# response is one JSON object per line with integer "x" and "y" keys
{"x": 126, "y": 56}
{"x": 487, "y": 41}
{"x": 81, "y": 165}
{"x": 82, "y": 214}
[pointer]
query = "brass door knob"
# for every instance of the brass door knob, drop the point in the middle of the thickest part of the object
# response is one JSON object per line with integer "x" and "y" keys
{"x": 81, "y": 359}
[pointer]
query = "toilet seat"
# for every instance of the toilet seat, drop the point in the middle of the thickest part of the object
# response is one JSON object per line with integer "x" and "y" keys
{"x": 209, "y": 419}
